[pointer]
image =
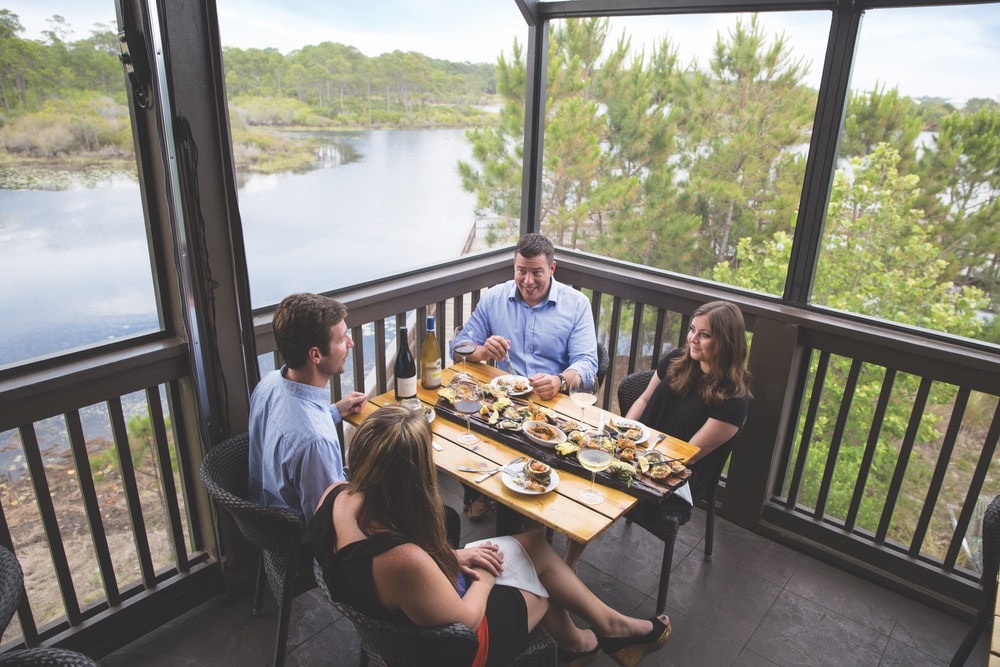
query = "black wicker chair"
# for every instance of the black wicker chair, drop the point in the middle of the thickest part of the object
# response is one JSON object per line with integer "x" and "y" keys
{"x": 11, "y": 592}
{"x": 662, "y": 526}
{"x": 991, "y": 564}
{"x": 386, "y": 644}
{"x": 277, "y": 532}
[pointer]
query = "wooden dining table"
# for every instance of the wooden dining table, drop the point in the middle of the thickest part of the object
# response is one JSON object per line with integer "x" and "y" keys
{"x": 560, "y": 509}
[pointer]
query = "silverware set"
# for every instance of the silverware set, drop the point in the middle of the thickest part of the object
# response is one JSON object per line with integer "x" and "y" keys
{"x": 489, "y": 473}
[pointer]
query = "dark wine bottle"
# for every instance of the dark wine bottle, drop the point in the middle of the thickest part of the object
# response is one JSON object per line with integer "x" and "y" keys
{"x": 405, "y": 370}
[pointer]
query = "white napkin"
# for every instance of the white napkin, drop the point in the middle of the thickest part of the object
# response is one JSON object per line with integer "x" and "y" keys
{"x": 684, "y": 493}
{"x": 518, "y": 570}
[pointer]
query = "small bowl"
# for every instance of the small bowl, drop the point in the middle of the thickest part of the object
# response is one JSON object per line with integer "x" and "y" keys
{"x": 543, "y": 434}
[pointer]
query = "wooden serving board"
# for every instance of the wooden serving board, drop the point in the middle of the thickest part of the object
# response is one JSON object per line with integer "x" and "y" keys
{"x": 643, "y": 486}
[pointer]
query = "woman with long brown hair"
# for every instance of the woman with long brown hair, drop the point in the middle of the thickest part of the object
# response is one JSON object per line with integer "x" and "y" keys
{"x": 699, "y": 393}
{"x": 380, "y": 541}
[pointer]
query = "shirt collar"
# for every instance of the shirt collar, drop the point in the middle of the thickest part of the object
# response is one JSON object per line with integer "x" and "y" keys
{"x": 318, "y": 395}
{"x": 553, "y": 296}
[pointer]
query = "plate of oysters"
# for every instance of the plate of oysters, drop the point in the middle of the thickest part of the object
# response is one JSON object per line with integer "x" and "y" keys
{"x": 531, "y": 477}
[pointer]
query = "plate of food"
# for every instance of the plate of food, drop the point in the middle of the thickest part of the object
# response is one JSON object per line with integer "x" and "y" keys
{"x": 514, "y": 385}
{"x": 531, "y": 477}
{"x": 543, "y": 434}
{"x": 630, "y": 429}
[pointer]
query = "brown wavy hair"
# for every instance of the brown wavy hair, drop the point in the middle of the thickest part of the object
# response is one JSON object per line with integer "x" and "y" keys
{"x": 729, "y": 376}
{"x": 392, "y": 468}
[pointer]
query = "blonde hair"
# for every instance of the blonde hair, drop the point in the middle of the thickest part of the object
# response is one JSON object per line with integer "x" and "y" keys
{"x": 392, "y": 468}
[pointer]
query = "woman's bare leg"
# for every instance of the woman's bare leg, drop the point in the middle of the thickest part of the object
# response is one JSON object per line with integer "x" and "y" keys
{"x": 568, "y": 594}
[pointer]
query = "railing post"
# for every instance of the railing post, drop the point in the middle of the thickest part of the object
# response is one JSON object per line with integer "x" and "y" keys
{"x": 757, "y": 456}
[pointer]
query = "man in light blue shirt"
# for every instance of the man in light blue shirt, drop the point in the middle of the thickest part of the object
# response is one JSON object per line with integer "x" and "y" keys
{"x": 546, "y": 327}
{"x": 295, "y": 451}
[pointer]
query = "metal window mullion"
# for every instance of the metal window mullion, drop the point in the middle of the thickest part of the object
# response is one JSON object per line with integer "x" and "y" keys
{"x": 88, "y": 494}
{"x": 821, "y": 160}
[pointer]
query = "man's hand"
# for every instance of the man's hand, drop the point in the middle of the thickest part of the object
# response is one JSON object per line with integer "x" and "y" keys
{"x": 486, "y": 557}
{"x": 546, "y": 386}
{"x": 493, "y": 348}
{"x": 352, "y": 403}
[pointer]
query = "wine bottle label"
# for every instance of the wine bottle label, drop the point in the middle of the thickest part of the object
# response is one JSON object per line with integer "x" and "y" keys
{"x": 432, "y": 374}
{"x": 406, "y": 388}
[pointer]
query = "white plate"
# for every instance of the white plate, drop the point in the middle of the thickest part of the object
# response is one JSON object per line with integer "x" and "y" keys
{"x": 621, "y": 424}
{"x": 510, "y": 480}
{"x": 507, "y": 382}
{"x": 560, "y": 436}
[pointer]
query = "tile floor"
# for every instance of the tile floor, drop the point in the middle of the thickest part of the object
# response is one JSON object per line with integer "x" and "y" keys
{"x": 756, "y": 603}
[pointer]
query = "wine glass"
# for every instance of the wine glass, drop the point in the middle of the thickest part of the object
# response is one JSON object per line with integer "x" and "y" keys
{"x": 464, "y": 347}
{"x": 468, "y": 400}
{"x": 584, "y": 393}
{"x": 595, "y": 460}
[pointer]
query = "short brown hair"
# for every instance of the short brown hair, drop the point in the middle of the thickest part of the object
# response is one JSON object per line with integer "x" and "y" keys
{"x": 532, "y": 245}
{"x": 302, "y": 322}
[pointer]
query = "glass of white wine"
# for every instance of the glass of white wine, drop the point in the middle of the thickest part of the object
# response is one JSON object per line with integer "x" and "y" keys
{"x": 468, "y": 401}
{"x": 584, "y": 393}
{"x": 595, "y": 460}
{"x": 463, "y": 348}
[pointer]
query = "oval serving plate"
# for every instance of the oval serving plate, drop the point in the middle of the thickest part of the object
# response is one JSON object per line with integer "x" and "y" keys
{"x": 539, "y": 432}
{"x": 514, "y": 385}
{"x": 622, "y": 424}
{"x": 511, "y": 475}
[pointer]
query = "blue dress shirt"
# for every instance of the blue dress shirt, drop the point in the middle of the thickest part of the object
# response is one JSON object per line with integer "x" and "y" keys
{"x": 295, "y": 451}
{"x": 553, "y": 336}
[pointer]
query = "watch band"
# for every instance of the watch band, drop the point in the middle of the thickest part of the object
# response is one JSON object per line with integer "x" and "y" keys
{"x": 563, "y": 384}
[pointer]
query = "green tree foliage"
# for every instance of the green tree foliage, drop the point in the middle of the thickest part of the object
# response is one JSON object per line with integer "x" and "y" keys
{"x": 961, "y": 177}
{"x": 873, "y": 223}
{"x": 881, "y": 116}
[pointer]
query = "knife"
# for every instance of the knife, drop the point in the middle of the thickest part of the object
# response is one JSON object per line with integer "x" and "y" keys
{"x": 489, "y": 474}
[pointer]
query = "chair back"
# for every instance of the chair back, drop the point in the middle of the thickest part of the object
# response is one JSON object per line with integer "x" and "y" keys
{"x": 603, "y": 362}
{"x": 396, "y": 644}
{"x": 631, "y": 388}
{"x": 277, "y": 531}
{"x": 11, "y": 587}
{"x": 991, "y": 546}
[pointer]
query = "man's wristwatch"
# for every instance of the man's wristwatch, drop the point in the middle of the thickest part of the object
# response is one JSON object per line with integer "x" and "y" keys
{"x": 563, "y": 385}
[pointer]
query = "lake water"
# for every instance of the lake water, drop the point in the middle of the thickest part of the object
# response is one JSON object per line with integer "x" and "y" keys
{"x": 75, "y": 267}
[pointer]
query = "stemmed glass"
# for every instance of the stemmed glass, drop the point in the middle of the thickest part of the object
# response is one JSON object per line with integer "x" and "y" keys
{"x": 463, "y": 348}
{"x": 584, "y": 393}
{"x": 595, "y": 460}
{"x": 468, "y": 400}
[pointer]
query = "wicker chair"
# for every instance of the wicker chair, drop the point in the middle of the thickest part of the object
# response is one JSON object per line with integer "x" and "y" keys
{"x": 991, "y": 565}
{"x": 277, "y": 532}
{"x": 385, "y": 644}
{"x": 662, "y": 526}
{"x": 11, "y": 593}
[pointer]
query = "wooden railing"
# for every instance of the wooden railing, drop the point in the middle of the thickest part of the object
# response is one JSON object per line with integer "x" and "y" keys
{"x": 808, "y": 472}
{"x": 823, "y": 464}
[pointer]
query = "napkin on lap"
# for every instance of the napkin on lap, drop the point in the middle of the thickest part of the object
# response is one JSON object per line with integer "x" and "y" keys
{"x": 518, "y": 570}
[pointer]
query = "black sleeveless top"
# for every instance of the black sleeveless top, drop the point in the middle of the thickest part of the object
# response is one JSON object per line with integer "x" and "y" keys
{"x": 348, "y": 571}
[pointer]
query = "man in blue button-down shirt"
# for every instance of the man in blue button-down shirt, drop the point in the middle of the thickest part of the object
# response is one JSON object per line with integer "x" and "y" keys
{"x": 546, "y": 327}
{"x": 295, "y": 451}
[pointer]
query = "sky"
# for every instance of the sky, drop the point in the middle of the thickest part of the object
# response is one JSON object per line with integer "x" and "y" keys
{"x": 949, "y": 52}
